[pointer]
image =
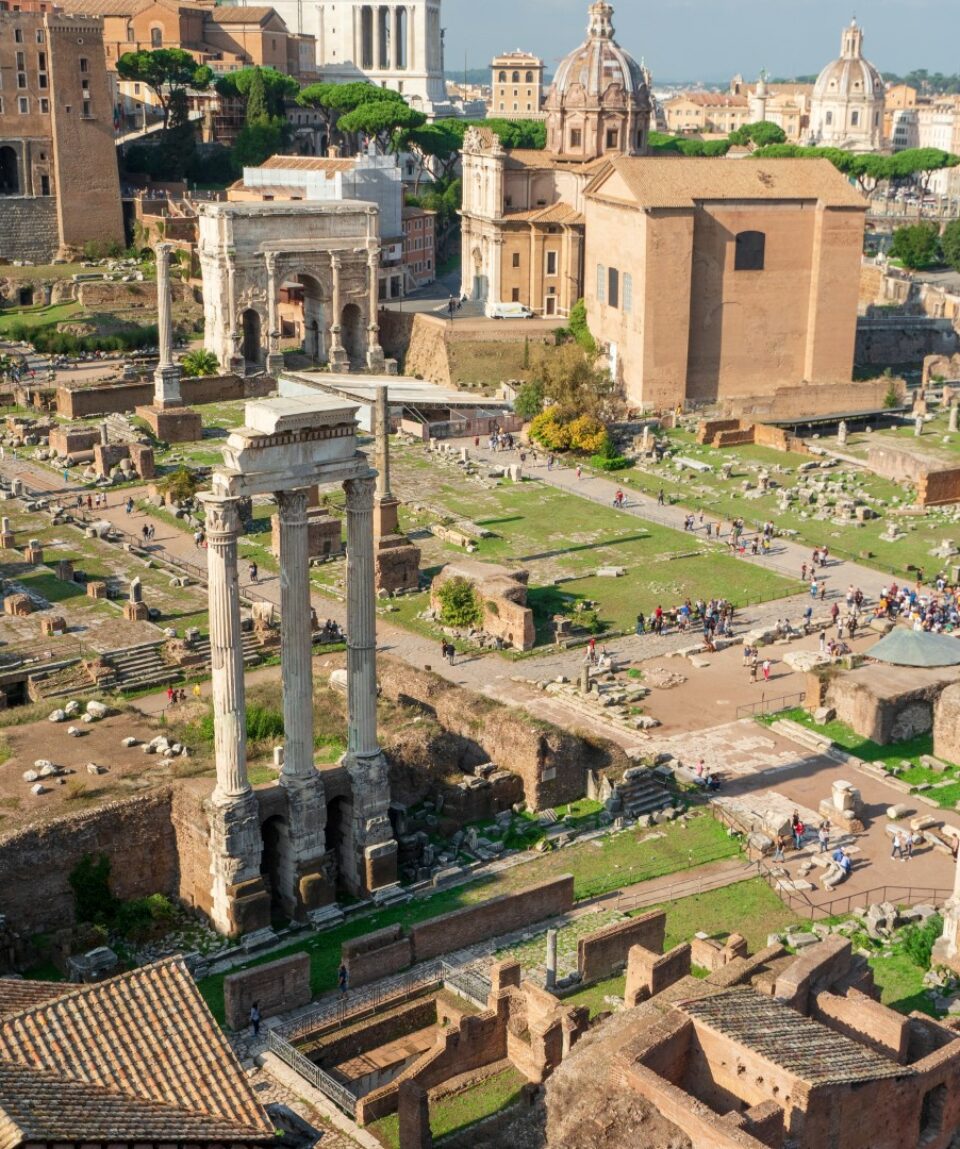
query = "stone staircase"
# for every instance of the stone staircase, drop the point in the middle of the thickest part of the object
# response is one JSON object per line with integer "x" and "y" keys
{"x": 641, "y": 792}
{"x": 252, "y": 650}
{"x": 819, "y": 744}
{"x": 139, "y": 667}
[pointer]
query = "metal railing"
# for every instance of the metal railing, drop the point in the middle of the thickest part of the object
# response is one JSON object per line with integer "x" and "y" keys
{"x": 771, "y": 705}
{"x": 339, "y": 1094}
{"x": 467, "y": 982}
{"x": 682, "y": 888}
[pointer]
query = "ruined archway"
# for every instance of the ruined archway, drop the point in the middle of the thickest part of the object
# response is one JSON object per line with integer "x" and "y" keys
{"x": 314, "y": 318}
{"x": 352, "y": 334}
{"x": 9, "y": 171}
{"x": 251, "y": 327}
{"x": 339, "y": 833}
{"x": 277, "y": 865}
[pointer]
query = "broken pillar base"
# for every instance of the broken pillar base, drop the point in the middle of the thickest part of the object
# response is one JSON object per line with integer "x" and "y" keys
{"x": 173, "y": 424}
{"x": 136, "y": 611}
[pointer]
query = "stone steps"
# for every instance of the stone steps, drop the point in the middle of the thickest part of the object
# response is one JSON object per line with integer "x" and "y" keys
{"x": 137, "y": 667}
{"x": 642, "y": 794}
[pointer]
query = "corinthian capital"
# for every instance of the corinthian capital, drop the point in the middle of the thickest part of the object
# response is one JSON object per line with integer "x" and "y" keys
{"x": 293, "y": 507}
{"x": 360, "y": 493}
{"x": 222, "y": 517}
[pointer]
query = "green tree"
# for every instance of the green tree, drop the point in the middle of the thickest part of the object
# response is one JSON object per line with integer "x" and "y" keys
{"x": 529, "y": 401}
{"x": 385, "y": 121}
{"x": 257, "y": 142}
{"x": 916, "y": 246}
{"x": 460, "y": 603}
{"x": 278, "y": 88}
{"x": 762, "y": 133}
{"x": 257, "y": 112}
{"x": 165, "y": 71}
{"x": 435, "y": 145}
{"x": 950, "y": 243}
{"x": 920, "y": 164}
{"x": 579, "y": 328}
{"x": 199, "y": 362}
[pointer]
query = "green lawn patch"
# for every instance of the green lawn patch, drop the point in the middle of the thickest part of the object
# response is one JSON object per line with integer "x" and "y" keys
{"x": 598, "y": 866}
{"x": 749, "y": 908}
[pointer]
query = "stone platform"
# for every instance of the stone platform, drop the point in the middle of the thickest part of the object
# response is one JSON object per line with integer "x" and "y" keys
{"x": 173, "y": 424}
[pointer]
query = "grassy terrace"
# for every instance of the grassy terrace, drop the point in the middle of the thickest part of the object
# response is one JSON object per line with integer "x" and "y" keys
{"x": 599, "y": 867}
{"x": 724, "y": 498}
{"x": 905, "y": 756}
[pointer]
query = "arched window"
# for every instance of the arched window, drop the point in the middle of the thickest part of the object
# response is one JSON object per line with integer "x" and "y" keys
{"x": 130, "y": 35}
{"x": 503, "y": 77}
{"x": 156, "y": 37}
{"x": 516, "y": 77}
{"x": 751, "y": 251}
{"x": 529, "y": 77}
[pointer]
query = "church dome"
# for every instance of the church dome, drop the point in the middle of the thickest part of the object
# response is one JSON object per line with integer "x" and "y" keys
{"x": 850, "y": 77}
{"x": 599, "y": 79}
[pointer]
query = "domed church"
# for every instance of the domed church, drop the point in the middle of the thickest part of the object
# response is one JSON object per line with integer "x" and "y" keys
{"x": 848, "y": 99}
{"x": 523, "y": 210}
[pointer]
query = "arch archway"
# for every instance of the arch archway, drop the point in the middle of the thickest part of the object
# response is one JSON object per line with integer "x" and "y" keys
{"x": 339, "y": 842}
{"x": 9, "y": 171}
{"x": 252, "y": 346}
{"x": 479, "y": 279}
{"x": 314, "y": 319}
{"x": 352, "y": 334}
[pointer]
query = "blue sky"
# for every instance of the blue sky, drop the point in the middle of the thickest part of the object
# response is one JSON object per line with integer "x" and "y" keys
{"x": 712, "y": 39}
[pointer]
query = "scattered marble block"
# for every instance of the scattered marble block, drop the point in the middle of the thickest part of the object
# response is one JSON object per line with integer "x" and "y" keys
{"x": 96, "y": 589}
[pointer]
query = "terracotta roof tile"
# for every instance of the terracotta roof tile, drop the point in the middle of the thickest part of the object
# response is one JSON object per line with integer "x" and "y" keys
{"x": 681, "y": 181}
{"x": 17, "y": 994}
{"x": 328, "y": 164}
{"x": 240, "y": 15}
{"x": 147, "y": 1036}
{"x": 556, "y": 213}
{"x": 784, "y": 1037}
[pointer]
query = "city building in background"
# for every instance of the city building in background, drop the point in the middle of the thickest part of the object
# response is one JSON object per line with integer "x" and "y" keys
{"x": 517, "y": 87}
{"x": 847, "y": 110}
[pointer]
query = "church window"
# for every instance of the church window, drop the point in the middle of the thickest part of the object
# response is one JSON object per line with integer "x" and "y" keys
{"x": 829, "y": 118}
{"x": 551, "y": 263}
{"x": 855, "y": 119}
{"x": 516, "y": 259}
{"x": 601, "y": 283}
{"x": 613, "y": 138}
{"x": 156, "y": 37}
{"x": 613, "y": 284}
{"x": 529, "y": 77}
{"x": 515, "y": 295}
{"x": 627, "y": 292}
{"x": 576, "y": 138}
{"x": 503, "y": 77}
{"x": 751, "y": 251}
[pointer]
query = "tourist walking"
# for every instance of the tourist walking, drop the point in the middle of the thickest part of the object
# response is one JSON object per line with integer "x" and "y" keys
{"x": 660, "y": 499}
{"x": 766, "y": 670}
{"x": 579, "y": 470}
{"x": 254, "y": 572}
{"x": 896, "y": 850}
{"x": 255, "y": 1018}
{"x": 778, "y": 848}
{"x": 343, "y": 980}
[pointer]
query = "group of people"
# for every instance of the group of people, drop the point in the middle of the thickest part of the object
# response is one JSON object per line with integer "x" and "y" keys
{"x": 903, "y": 844}
{"x": 147, "y": 532}
{"x": 177, "y": 695}
{"x": 715, "y": 616}
{"x": 935, "y": 608}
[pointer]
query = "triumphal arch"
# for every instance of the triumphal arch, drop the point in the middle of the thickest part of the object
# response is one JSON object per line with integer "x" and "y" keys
{"x": 286, "y": 447}
{"x": 331, "y": 250}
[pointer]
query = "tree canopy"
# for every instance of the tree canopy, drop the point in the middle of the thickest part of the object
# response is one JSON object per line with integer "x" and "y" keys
{"x": 762, "y": 133}
{"x": 274, "y": 89}
{"x": 950, "y": 244}
{"x": 916, "y": 246}
{"x": 165, "y": 71}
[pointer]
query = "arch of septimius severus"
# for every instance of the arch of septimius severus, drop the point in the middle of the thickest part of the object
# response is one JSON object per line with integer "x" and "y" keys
{"x": 330, "y": 248}
{"x": 286, "y": 447}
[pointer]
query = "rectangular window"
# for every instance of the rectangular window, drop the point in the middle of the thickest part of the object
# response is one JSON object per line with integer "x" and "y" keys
{"x": 613, "y": 291}
{"x": 44, "y": 106}
{"x": 515, "y": 295}
{"x": 516, "y": 259}
{"x": 576, "y": 138}
{"x": 42, "y": 80}
{"x": 41, "y": 61}
{"x": 84, "y": 67}
{"x": 39, "y": 35}
{"x": 23, "y": 105}
{"x": 21, "y": 61}
{"x": 44, "y": 185}
{"x": 601, "y": 283}
{"x": 21, "y": 79}
{"x": 86, "y": 109}
{"x": 551, "y": 263}
{"x": 627, "y": 292}
{"x": 18, "y": 35}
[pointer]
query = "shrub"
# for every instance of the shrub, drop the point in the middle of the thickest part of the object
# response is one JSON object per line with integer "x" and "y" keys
{"x": 180, "y": 484}
{"x": 529, "y": 401}
{"x": 589, "y": 435}
{"x": 549, "y": 429}
{"x": 918, "y": 941}
{"x": 90, "y": 882}
{"x": 459, "y": 603}
{"x": 264, "y": 723}
{"x": 579, "y": 329}
{"x": 199, "y": 362}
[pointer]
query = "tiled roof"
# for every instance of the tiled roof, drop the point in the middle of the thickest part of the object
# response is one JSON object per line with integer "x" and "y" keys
{"x": 39, "y": 1106}
{"x": 108, "y": 7}
{"x": 710, "y": 100}
{"x": 328, "y": 164}
{"x": 803, "y": 1047}
{"x": 682, "y": 181}
{"x": 556, "y": 213}
{"x": 145, "y": 1037}
{"x": 17, "y": 994}
{"x": 249, "y": 15}
{"x": 534, "y": 158}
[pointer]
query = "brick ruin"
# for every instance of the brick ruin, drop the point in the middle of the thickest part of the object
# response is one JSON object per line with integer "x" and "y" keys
{"x": 503, "y": 596}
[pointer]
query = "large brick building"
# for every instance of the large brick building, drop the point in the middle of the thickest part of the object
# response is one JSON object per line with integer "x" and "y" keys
{"x": 59, "y": 187}
{"x": 740, "y": 277}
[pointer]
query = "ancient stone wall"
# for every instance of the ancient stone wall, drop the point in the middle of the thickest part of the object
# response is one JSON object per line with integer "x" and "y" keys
{"x": 902, "y": 709}
{"x": 136, "y": 835}
{"x": 554, "y": 764}
{"x": 379, "y": 1030}
{"x": 29, "y": 228}
{"x": 650, "y": 973}
{"x": 376, "y": 955}
{"x": 822, "y": 965}
{"x": 897, "y": 463}
{"x": 457, "y": 354}
{"x": 604, "y": 952}
{"x": 866, "y": 1021}
{"x": 501, "y": 915}
{"x": 276, "y": 987}
{"x": 802, "y": 402}
{"x": 191, "y": 828}
{"x": 903, "y": 341}
{"x": 939, "y": 488}
{"x": 946, "y": 725}
{"x": 108, "y": 398}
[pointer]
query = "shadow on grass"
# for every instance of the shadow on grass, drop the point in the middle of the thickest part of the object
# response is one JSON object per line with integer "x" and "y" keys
{"x": 599, "y": 545}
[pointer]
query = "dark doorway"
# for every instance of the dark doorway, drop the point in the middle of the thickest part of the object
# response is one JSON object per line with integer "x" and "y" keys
{"x": 252, "y": 351}
{"x": 275, "y": 866}
{"x": 9, "y": 172}
{"x": 352, "y": 334}
{"x": 339, "y": 840}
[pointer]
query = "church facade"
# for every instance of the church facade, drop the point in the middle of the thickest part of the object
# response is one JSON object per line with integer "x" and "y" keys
{"x": 848, "y": 102}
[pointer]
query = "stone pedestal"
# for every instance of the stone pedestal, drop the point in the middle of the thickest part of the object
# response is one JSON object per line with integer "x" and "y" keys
{"x": 274, "y": 364}
{"x": 33, "y": 553}
{"x": 65, "y": 570}
{"x": 96, "y": 589}
{"x": 397, "y": 565}
{"x": 8, "y": 540}
{"x": 173, "y": 424}
{"x": 240, "y": 902}
{"x": 136, "y": 611}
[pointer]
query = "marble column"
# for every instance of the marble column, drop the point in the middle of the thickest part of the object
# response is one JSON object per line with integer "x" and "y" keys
{"x": 166, "y": 377}
{"x": 339, "y": 360}
{"x": 296, "y": 662}
{"x": 226, "y": 652}
{"x": 274, "y": 357}
{"x": 386, "y": 520}
{"x": 375, "y": 361}
{"x": 361, "y": 621}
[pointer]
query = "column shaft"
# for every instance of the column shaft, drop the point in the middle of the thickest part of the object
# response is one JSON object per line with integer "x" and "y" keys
{"x": 164, "y": 326}
{"x": 361, "y": 621}
{"x": 226, "y": 652}
{"x": 335, "y": 265}
{"x": 382, "y": 454}
{"x": 296, "y": 659}
{"x": 373, "y": 269}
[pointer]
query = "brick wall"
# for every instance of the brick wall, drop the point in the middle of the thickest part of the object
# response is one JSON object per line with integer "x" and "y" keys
{"x": 734, "y": 438}
{"x": 938, "y": 488}
{"x": 277, "y": 987}
{"x": 822, "y": 964}
{"x": 108, "y": 398}
{"x": 367, "y": 1036}
{"x": 388, "y": 959}
{"x": 866, "y": 1021}
{"x": 66, "y": 440}
{"x": 501, "y": 915}
{"x": 36, "y": 863}
{"x": 710, "y": 428}
{"x": 649, "y": 973}
{"x": 28, "y": 228}
{"x": 804, "y": 402}
{"x": 604, "y": 952}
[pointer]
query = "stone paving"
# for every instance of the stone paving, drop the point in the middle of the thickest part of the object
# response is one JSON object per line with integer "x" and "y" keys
{"x": 738, "y": 748}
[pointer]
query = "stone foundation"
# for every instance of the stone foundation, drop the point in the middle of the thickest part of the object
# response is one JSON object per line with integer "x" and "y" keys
{"x": 397, "y": 563}
{"x": 177, "y": 425}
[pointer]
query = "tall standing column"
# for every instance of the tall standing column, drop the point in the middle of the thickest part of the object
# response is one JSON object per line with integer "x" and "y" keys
{"x": 296, "y": 662}
{"x": 375, "y": 359}
{"x": 274, "y": 358}
{"x": 339, "y": 360}
{"x": 361, "y": 621}
{"x": 381, "y": 432}
{"x": 166, "y": 378}
{"x": 226, "y": 652}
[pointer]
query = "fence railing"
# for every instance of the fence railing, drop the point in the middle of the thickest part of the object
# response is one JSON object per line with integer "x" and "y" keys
{"x": 339, "y": 1094}
{"x": 40, "y": 651}
{"x": 681, "y": 888}
{"x": 771, "y": 705}
{"x": 470, "y": 984}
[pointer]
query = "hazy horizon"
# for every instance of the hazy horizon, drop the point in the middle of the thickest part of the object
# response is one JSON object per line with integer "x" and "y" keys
{"x": 711, "y": 40}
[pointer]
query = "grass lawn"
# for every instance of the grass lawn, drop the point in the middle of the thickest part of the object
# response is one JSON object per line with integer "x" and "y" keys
{"x": 896, "y": 754}
{"x": 563, "y": 540}
{"x": 458, "y": 1111}
{"x": 598, "y": 867}
{"x": 37, "y": 316}
{"x": 750, "y": 908}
